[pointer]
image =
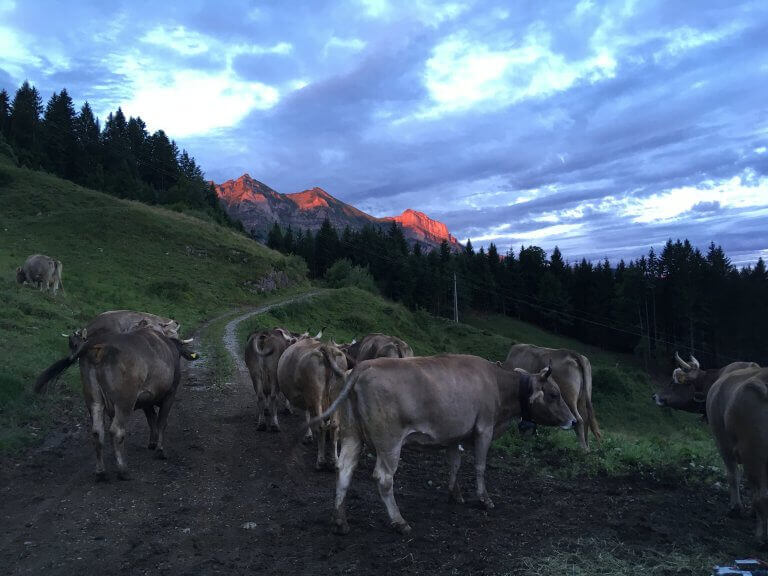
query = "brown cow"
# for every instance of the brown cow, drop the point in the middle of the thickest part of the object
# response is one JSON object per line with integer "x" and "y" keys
{"x": 126, "y": 320}
{"x": 41, "y": 271}
{"x": 121, "y": 373}
{"x": 737, "y": 408}
{"x": 690, "y": 383}
{"x": 378, "y": 345}
{"x": 438, "y": 401}
{"x": 572, "y": 372}
{"x": 262, "y": 353}
{"x": 310, "y": 374}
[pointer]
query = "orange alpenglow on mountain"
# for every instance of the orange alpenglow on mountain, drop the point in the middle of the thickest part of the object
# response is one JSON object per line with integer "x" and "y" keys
{"x": 258, "y": 207}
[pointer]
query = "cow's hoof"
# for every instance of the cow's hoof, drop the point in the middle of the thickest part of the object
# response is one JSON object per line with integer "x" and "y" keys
{"x": 101, "y": 476}
{"x": 735, "y": 512}
{"x": 486, "y": 503}
{"x": 274, "y": 428}
{"x": 261, "y": 427}
{"x": 160, "y": 454}
{"x": 152, "y": 445}
{"x": 402, "y": 527}
{"x": 307, "y": 439}
{"x": 123, "y": 475}
{"x": 341, "y": 528}
{"x": 455, "y": 498}
{"x": 320, "y": 466}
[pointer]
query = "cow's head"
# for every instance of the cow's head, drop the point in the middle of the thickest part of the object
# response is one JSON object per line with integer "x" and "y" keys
{"x": 76, "y": 341}
{"x": 545, "y": 403}
{"x": 687, "y": 390}
{"x": 185, "y": 348}
{"x": 20, "y": 276}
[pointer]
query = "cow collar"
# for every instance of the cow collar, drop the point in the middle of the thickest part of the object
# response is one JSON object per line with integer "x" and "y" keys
{"x": 524, "y": 392}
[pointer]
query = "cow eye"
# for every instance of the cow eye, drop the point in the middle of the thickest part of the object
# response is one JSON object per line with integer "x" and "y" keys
{"x": 553, "y": 395}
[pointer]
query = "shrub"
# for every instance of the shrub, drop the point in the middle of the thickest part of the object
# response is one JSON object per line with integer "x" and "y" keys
{"x": 342, "y": 274}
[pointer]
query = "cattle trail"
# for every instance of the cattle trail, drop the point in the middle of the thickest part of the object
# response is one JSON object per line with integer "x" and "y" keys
{"x": 224, "y": 503}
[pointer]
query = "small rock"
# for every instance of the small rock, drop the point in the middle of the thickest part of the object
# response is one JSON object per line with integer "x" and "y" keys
{"x": 187, "y": 530}
{"x": 249, "y": 526}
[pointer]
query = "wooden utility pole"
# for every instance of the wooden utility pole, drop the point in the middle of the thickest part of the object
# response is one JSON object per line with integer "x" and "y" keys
{"x": 455, "y": 301}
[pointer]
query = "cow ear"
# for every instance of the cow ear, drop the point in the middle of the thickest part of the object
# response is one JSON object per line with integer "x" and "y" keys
{"x": 536, "y": 396}
{"x": 84, "y": 333}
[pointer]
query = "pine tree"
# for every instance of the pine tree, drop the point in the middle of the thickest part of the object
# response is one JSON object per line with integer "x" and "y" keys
{"x": 5, "y": 113}
{"x": 24, "y": 125}
{"x": 275, "y": 237}
{"x": 90, "y": 171}
{"x": 58, "y": 137}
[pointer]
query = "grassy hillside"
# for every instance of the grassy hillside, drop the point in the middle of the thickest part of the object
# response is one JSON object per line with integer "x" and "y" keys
{"x": 639, "y": 437}
{"x": 115, "y": 254}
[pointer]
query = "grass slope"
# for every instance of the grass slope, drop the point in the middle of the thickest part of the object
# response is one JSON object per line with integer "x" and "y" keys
{"x": 639, "y": 437}
{"x": 115, "y": 254}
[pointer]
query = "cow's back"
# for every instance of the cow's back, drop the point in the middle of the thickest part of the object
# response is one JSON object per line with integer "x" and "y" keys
{"x": 437, "y": 399}
{"x": 39, "y": 268}
{"x": 299, "y": 367}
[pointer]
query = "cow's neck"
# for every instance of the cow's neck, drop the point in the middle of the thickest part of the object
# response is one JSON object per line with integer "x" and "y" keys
{"x": 509, "y": 393}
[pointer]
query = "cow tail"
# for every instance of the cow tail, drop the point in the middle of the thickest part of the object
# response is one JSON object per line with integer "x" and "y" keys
{"x": 586, "y": 375}
{"x": 260, "y": 351}
{"x": 54, "y": 370}
{"x": 343, "y": 395}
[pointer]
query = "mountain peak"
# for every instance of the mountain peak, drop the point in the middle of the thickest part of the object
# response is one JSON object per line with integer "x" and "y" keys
{"x": 423, "y": 227}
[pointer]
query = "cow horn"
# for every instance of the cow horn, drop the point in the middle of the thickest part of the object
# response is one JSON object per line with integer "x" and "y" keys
{"x": 695, "y": 363}
{"x": 548, "y": 370}
{"x": 354, "y": 341}
{"x": 320, "y": 334}
{"x": 65, "y": 335}
{"x": 187, "y": 341}
{"x": 683, "y": 364}
{"x": 676, "y": 374}
{"x": 84, "y": 334}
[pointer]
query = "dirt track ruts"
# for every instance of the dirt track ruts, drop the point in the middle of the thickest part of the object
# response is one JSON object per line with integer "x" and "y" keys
{"x": 186, "y": 515}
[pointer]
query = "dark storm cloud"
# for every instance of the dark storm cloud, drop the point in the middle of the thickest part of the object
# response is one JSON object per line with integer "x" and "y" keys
{"x": 678, "y": 104}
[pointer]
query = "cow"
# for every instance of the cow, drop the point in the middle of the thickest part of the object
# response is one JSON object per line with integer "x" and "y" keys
{"x": 737, "y": 409}
{"x": 310, "y": 373}
{"x": 262, "y": 353}
{"x": 437, "y": 401}
{"x": 690, "y": 384}
{"x": 41, "y": 271}
{"x": 572, "y": 372}
{"x": 127, "y": 320}
{"x": 377, "y": 345}
{"x": 123, "y": 372}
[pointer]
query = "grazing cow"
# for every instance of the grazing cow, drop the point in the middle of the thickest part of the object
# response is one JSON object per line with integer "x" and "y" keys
{"x": 439, "y": 401}
{"x": 121, "y": 373}
{"x": 262, "y": 353}
{"x": 737, "y": 407}
{"x": 690, "y": 384}
{"x": 310, "y": 374}
{"x": 572, "y": 372}
{"x": 41, "y": 271}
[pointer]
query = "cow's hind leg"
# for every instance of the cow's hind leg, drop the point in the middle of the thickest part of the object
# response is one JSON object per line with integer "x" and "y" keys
{"x": 482, "y": 444}
{"x": 454, "y": 459}
{"x": 309, "y": 436}
{"x": 351, "y": 444}
{"x": 274, "y": 425}
{"x": 384, "y": 473}
{"x": 149, "y": 412}
{"x": 117, "y": 430}
{"x": 320, "y": 431}
{"x": 580, "y": 428}
{"x": 162, "y": 422}
{"x": 97, "y": 435}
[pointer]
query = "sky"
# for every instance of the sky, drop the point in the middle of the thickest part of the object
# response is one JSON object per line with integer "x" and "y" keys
{"x": 602, "y": 127}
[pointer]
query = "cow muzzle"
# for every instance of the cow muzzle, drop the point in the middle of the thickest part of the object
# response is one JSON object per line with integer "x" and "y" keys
{"x": 659, "y": 400}
{"x": 568, "y": 425}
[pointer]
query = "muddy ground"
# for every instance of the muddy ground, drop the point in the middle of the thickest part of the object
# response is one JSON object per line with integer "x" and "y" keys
{"x": 186, "y": 515}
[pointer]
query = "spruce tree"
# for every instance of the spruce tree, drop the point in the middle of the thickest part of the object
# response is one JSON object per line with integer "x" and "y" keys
{"x": 59, "y": 140}
{"x": 24, "y": 125}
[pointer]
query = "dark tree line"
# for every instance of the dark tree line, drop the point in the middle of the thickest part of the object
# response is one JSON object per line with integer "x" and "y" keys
{"x": 681, "y": 299}
{"x": 122, "y": 158}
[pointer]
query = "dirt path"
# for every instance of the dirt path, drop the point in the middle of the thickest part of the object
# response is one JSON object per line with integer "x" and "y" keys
{"x": 227, "y": 502}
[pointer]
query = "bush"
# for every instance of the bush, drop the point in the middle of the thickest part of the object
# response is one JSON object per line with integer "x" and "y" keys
{"x": 342, "y": 274}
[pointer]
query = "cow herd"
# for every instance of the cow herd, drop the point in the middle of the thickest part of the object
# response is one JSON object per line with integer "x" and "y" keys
{"x": 376, "y": 392}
